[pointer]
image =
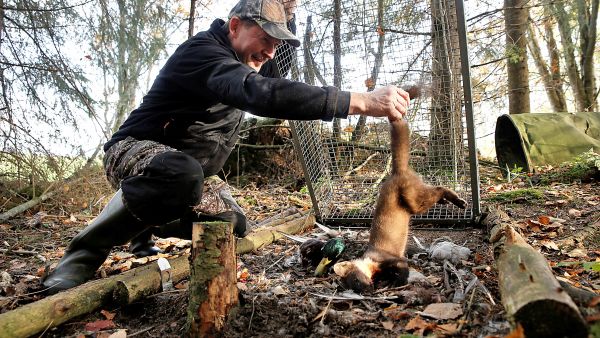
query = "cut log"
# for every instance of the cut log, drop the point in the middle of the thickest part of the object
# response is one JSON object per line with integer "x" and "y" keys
{"x": 52, "y": 311}
{"x": 271, "y": 233}
{"x": 213, "y": 278}
{"x": 531, "y": 294}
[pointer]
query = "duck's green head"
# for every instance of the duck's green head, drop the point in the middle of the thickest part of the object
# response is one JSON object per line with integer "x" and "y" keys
{"x": 332, "y": 250}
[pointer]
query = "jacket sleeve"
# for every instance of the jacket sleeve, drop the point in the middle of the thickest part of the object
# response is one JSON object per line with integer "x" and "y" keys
{"x": 215, "y": 73}
{"x": 238, "y": 85}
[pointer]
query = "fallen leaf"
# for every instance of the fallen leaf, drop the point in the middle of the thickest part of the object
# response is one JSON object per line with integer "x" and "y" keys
{"x": 395, "y": 313}
{"x": 441, "y": 311}
{"x": 574, "y": 213}
{"x": 99, "y": 325}
{"x": 591, "y": 266}
{"x": 107, "y": 314}
{"x": 119, "y": 256}
{"x": 242, "y": 286}
{"x": 417, "y": 324}
{"x": 449, "y": 328}
{"x": 544, "y": 220}
{"x": 577, "y": 253}
{"x": 548, "y": 244}
{"x": 119, "y": 334}
{"x": 279, "y": 290}
{"x": 388, "y": 325}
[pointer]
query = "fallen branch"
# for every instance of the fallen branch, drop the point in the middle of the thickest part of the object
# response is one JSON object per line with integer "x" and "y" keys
{"x": 271, "y": 232}
{"x": 285, "y": 216}
{"x": 352, "y": 171}
{"x": 146, "y": 282}
{"x": 52, "y": 311}
{"x": 25, "y": 206}
{"x": 19, "y": 252}
{"x": 530, "y": 293}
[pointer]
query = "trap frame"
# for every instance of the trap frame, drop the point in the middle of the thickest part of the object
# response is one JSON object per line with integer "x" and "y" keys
{"x": 359, "y": 45}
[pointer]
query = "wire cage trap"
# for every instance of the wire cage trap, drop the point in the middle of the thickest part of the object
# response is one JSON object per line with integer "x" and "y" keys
{"x": 359, "y": 45}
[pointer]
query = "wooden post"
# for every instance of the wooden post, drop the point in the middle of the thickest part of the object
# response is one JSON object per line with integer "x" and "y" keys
{"x": 213, "y": 278}
{"x": 530, "y": 293}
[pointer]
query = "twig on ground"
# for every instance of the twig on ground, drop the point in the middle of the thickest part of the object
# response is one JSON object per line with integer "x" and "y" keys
{"x": 141, "y": 331}
{"x": 251, "y": 315}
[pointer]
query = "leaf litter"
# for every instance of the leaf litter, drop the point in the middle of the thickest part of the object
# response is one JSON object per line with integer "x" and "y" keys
{"x": 280, "y": 297}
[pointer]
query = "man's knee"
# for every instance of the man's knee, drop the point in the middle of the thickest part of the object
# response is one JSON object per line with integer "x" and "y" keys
{"x": 169, "y": 185}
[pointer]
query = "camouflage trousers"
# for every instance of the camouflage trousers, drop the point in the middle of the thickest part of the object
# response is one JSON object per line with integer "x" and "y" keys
{"x": 130, "y": 158}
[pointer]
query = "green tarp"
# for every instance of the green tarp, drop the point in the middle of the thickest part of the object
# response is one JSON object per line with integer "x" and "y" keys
{"x": 528, "y": 140}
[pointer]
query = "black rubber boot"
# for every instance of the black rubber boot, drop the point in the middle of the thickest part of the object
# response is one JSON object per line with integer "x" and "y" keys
{"x": 142, "y": 245}
{"x": 87, "y": 251}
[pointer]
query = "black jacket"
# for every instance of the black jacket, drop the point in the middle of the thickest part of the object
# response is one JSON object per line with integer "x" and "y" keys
{"x": 196, "y": 102}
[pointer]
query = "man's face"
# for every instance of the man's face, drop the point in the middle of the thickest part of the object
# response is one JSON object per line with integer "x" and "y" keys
{"x": 252, "y": 44}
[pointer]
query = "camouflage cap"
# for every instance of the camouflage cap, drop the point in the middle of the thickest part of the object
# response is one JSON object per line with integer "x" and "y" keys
{"x": 269, "y": 15}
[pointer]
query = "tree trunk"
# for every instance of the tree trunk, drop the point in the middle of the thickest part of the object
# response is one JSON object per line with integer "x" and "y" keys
{"x": 192, "y": 18}
{"x": 568, "y": 51}
{"x": 515, "y": 19}
{"x": 213, "y": 278}
{"x": 550, "y": 74}
{"x": 587, "y": 43}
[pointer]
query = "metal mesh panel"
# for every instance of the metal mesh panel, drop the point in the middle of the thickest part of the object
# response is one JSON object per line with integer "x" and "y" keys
{"x": 361, "y": 45}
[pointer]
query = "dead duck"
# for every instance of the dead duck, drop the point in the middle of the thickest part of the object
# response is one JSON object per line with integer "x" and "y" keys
{"x": 319, "y": 254}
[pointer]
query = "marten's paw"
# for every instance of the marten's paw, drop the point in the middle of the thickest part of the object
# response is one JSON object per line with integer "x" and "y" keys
{"x": 452, "y": 197}
{"x": 459, "y": 202}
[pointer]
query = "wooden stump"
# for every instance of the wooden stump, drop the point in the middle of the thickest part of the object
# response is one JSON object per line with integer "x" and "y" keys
{"x": 213, "y": 278}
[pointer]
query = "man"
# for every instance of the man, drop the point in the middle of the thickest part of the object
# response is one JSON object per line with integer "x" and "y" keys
{"x": 187, "y": 126}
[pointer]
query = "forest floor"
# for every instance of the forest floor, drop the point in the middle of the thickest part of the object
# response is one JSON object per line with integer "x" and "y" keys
{"x": 281, "y": 298}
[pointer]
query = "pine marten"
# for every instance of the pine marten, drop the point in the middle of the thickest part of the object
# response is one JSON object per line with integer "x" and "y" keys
{"x": 400, "y": 196}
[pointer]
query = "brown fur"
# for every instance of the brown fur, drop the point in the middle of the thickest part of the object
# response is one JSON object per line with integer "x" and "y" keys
{"x": 403, "y": 194}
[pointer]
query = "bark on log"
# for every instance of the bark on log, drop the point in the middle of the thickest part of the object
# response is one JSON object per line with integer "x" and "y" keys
{"x": 268, "y": 235}
{"x": 52, "y": 311}
{"x": 146, "y": 282}
{"x": 530, "y": 293}
{"x": 213, "y": 278}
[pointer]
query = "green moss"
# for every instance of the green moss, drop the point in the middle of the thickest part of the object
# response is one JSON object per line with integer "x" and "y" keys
{"x": 582, "y": 168}
{"x": 529, "y": 195}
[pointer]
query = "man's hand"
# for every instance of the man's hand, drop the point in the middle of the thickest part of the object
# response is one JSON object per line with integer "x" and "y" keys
{"x": 290, "y": 8}
{"x": 389, "y": 101}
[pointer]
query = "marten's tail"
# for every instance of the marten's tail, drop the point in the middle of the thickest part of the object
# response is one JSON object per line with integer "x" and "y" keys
{"x": 400, "y": 145}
